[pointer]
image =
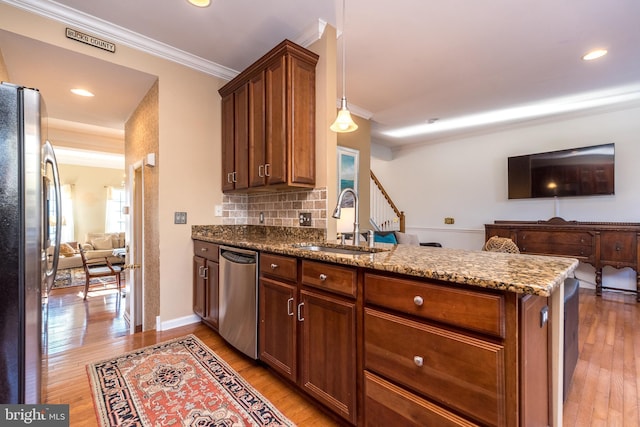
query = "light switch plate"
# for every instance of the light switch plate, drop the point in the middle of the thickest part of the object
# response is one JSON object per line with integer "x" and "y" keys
{"x": 180, "y": 218}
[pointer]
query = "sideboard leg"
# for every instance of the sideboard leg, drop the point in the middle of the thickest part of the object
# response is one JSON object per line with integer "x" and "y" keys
{"x": 599, "y": 281}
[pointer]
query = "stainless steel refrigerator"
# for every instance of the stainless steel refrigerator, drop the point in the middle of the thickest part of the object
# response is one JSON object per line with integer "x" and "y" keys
{"x": 29, "y": 225}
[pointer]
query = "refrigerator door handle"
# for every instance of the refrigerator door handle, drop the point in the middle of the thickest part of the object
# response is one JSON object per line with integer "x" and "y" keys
{"x": 48, "y": 156}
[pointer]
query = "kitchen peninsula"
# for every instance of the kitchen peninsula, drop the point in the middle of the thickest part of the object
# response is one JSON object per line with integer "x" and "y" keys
{"x": 408, "y": 334}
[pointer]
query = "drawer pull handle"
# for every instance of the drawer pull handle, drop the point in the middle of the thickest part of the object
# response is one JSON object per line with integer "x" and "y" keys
{"x": 418, "y": 300}
{"x": 323, "y": 277}
{"x": 274, "y": 266}
{"x": 418, "y": 360}
{"x": 290, "y": 306}
{"x": 204, "y": 249}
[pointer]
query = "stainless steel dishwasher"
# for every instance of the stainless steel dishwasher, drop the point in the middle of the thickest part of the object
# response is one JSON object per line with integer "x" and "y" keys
{"x": 238, "y": 310}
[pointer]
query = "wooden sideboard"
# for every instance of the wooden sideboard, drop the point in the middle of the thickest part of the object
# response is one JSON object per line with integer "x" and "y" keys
{"x": 616, "y": 244}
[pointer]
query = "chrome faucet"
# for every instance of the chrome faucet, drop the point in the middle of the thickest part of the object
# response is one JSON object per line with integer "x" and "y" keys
{"x": 336, "y": 213}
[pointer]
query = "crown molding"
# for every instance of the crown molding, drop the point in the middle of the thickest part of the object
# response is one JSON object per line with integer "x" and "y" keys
{"x": 312, "y": 34}
{"x": 99, "y": 27}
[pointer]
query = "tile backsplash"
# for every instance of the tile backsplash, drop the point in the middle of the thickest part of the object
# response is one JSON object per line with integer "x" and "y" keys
{"x": 280, "y": 208}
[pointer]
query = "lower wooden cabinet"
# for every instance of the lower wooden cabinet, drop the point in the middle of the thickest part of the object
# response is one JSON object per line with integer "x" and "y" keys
{"x": 205, "y": 282}
{"x": 383, "y": 349}
{"x": 327, "y": 351}
{"x": 483, "y": 362}
{"x": 390, "y": 405}
{"x": 309, "y": 336}
{"x": 458, "y": 371}
{"x": 278, "y": 327}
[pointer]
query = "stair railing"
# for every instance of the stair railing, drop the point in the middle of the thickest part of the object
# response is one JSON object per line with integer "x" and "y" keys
{"x": 383, "y": 212}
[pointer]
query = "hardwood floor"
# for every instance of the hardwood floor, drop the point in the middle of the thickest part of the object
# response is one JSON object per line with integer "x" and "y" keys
{"x": 605, "y": 389}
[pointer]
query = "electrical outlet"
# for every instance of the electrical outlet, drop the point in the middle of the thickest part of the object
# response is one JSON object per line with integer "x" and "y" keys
{"x": 261, "y": 218}
{"x": 180, "y": 218}
{"x": 449, "y": 220}
{"x": 305, "y": 219}
{"x": 218, "y": 210}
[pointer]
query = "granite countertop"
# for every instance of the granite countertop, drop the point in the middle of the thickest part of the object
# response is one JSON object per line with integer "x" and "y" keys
{"x": 528, "y": 274}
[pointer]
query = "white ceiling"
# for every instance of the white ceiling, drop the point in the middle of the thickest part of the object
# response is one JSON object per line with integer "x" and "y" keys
{"x": 408, "y": 62}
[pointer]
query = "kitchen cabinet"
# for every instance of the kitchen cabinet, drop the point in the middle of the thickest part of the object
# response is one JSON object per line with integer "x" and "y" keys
{"x": 273, "y": 118}
{"x": 205, "y": 282}
{"x": 455, "y": 366}
{"x": 616, "y": 244}
{"x": 308, "y": 328}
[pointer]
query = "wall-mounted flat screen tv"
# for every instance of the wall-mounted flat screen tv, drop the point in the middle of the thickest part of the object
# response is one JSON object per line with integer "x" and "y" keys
{"x": 584, "y": 171}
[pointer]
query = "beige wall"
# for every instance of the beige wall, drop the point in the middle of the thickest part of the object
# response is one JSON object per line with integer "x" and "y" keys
{"x": 4, "y": 74}
{"x": 326, "y": 140}
{"x": 188, "y": 154}
{"x": 360, "y": 140}
{"x": 89, "y": 195}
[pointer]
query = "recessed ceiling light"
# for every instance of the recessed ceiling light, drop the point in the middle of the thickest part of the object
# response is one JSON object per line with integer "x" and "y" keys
{"x": 82, "y": 92}
{"x": 594, "y": 54}
{"x": 200, "y": 3}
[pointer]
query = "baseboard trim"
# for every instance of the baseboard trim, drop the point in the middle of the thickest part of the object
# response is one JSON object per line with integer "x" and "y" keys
{"x": 176, "y": 323}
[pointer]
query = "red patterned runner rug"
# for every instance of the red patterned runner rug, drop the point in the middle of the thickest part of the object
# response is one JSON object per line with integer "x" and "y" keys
{"x": 178, "y": 382}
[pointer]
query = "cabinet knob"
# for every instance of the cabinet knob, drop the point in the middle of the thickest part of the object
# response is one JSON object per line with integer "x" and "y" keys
{"x": 274, "y": 266}
{"x": 418, "y": 300}
{"x": 418, "y": 360}
{"x": 618, "y": 248}
{"x": 323, "y": 277}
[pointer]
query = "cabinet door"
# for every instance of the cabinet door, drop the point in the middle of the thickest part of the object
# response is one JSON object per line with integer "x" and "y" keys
{"x": 302, "y": 115}
{"x": 276, "y": 121}
{"x": 241, "y": 137}
{"x": 535, "y": 366}
{"x": 211, "y": 287}
{"x": 228, "y": 144}
{"x": 278, "y": 326}
{"x": 257, "y": 141}
{"x": 199, "y": 299}
{"x": 327, "y": 352}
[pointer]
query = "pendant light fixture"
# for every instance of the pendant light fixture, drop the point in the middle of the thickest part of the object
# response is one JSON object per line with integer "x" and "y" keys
{"x": 344, "y": 122}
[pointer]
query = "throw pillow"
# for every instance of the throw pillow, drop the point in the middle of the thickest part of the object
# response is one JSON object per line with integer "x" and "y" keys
{"x": 100, "y": 244}
{"x": 384, "y": 237}
{"x": 66, "y": 250}
{"x": 407, "y": 239}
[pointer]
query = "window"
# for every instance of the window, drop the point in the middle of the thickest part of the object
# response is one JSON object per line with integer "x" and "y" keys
{"x": 115, "y": 220}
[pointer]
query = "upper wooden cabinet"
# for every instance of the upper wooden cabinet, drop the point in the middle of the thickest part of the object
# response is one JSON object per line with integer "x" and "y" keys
{"x": 268, "y": 122}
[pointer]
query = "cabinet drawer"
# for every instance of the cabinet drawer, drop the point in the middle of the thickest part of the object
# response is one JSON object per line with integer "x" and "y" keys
{"x": 457, "y": 371}
{"x": 387, "y": 405}
{"x": 280, "y": 266}
{"x": 329, "y": 277}
{"x": 578, "y": 244}
{"x": 481, "y": 312}
{"x": 618, "y": 246}
{"x": 205, "y": 250}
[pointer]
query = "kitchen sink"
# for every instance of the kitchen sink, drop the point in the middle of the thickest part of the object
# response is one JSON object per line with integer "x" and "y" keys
{"x": 349, "y": 250}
